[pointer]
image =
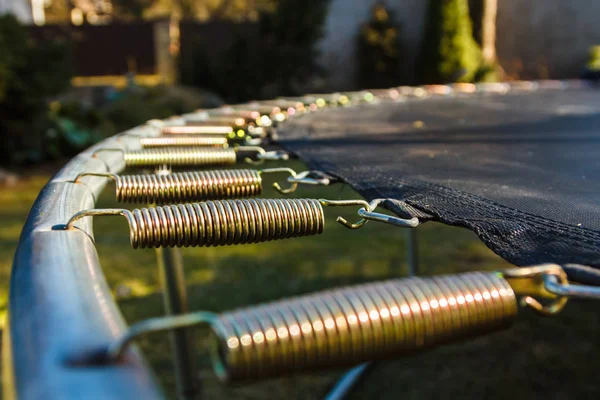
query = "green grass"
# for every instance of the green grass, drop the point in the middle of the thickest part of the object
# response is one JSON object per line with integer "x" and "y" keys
{"x": 538, "y": 357}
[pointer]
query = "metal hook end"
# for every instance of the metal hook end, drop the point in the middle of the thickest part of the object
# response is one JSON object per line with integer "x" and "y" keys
{"x": 250, "y": 161}
{"x": 257, "y": 149}
{"x": 292, "y": 188}
{"x": 97, "y": 212}
{"x": 311, "y": 178}
{"x": 349, "y": 225}
{"x": 367, "y": 214}
{"x": 344, "y": 203}
{"x": 532, "y": 281}
{"x": 263, "y": 155}
{"x": 276, "y": 155}
{"x": 154, "y": 325}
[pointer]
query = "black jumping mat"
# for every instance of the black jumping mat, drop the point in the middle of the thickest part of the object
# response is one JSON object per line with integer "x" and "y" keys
{"x": 521, "y": 169}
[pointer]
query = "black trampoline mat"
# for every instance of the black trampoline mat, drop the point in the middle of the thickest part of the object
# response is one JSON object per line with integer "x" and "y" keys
{"x": 521, "y": 170}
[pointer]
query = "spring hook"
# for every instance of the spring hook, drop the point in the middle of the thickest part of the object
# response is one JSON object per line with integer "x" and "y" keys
{"x": 560, "y": 288}
{"x": 532, "y": 281}
{"x": 547, "y": 281}
{"x": 367, "y": 214}
{"x": 310, "y": 178}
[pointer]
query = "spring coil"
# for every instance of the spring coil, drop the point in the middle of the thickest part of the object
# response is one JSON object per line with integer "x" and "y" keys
{"x": 225, "y": 222}
{"x": 213, "y": 130}
{"x": 179, "y": 157}
{"x": 348, "y": 326}
{"x": 188, "y": 186}
{"x": 183, "y": 141}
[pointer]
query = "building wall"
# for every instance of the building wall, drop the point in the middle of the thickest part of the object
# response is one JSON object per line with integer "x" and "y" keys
{"x": 535, "y": 38}
{"x": 343, "y": 25}
{"x": 546, "y": 38}
{"x": 20, "y": 8}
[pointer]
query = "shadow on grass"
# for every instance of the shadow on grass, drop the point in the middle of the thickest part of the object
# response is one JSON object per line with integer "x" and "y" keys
{"x": 537, "y": 358}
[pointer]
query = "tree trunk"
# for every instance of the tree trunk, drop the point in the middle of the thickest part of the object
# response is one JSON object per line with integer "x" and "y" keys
{"x": 488, "y": 31}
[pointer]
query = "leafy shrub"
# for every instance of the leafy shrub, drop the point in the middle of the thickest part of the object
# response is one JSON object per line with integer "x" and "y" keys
{"x": 280, "y": 59}
{"x": 379, "y": 51}
{"x": 449, "y": 52}
{"x": 133, "y": 107}
{"x": 30, "y": 74}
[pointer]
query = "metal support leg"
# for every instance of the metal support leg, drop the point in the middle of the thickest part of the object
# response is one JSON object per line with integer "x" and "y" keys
{"x": 170, "y": 265}
{"x": 349, "y": 380}
{"x": 412, "y": 252}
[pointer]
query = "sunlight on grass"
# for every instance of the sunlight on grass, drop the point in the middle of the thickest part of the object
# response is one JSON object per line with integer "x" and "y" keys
{"x": 226, "y": 278}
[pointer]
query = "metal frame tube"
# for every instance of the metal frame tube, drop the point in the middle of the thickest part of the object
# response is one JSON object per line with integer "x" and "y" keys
{"x": 60, "y": 306}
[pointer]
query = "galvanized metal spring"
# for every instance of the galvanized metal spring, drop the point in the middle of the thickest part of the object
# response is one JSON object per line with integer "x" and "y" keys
{"x": 376, "y": 321}
{"x": 179, "y": 157}
{"x": 190, "y": 156}
{"x": 188, "y": 186}
{"x": 194, "y": 185}
{"x": 213, "y": 130}
{"x": 184, "y": 141}
{"x": 369, "y": 322}
{"x": 216, "y": 120}
{"x": 347, "y": 326}
{"x": 219, "y": 223}
{"x": 226, "y": 222}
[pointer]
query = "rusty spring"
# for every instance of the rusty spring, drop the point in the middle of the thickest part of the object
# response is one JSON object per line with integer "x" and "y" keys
{"x": 219, "y": 223}
{"x": 184, "y": 141}
{"x": 369, "y": 322}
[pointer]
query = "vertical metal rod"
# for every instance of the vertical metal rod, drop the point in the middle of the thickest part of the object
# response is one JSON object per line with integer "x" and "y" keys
{"x": 347, "y": 382}
{"x": 351, "y": 378}
{"x": 170, "y": 265}
{"x": 172, "y": 278}
{"x": 412, "y": 252}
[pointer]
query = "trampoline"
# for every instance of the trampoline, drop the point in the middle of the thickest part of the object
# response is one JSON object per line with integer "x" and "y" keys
{"x": 515, "y": 163}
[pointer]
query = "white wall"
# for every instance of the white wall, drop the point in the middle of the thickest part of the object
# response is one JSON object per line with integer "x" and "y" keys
{"x": 343, "y": 25}
{"x": 548, "y": 38}
{"x": 20, "y": 8}
{"x": 555, "y": 33}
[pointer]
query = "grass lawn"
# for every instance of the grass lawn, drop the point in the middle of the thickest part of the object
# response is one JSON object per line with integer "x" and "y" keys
{"x": 536, "y": 358}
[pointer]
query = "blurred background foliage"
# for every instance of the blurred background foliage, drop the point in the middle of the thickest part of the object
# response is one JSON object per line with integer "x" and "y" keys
{"x": 450, "y": 52}
{"x": 25, "y": 89}
{"x": 278, "y": 58}
{"x": 379, "y": 50}
{"x": 273, "y": 50}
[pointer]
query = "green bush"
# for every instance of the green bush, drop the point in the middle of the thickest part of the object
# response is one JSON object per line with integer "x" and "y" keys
{"x": 30, "y": 74}
{"x": 379, "y": 51}
{"x": 135, "y": 106}
{"x": 280, "y": 59}
{"x": 449, "y": 52}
